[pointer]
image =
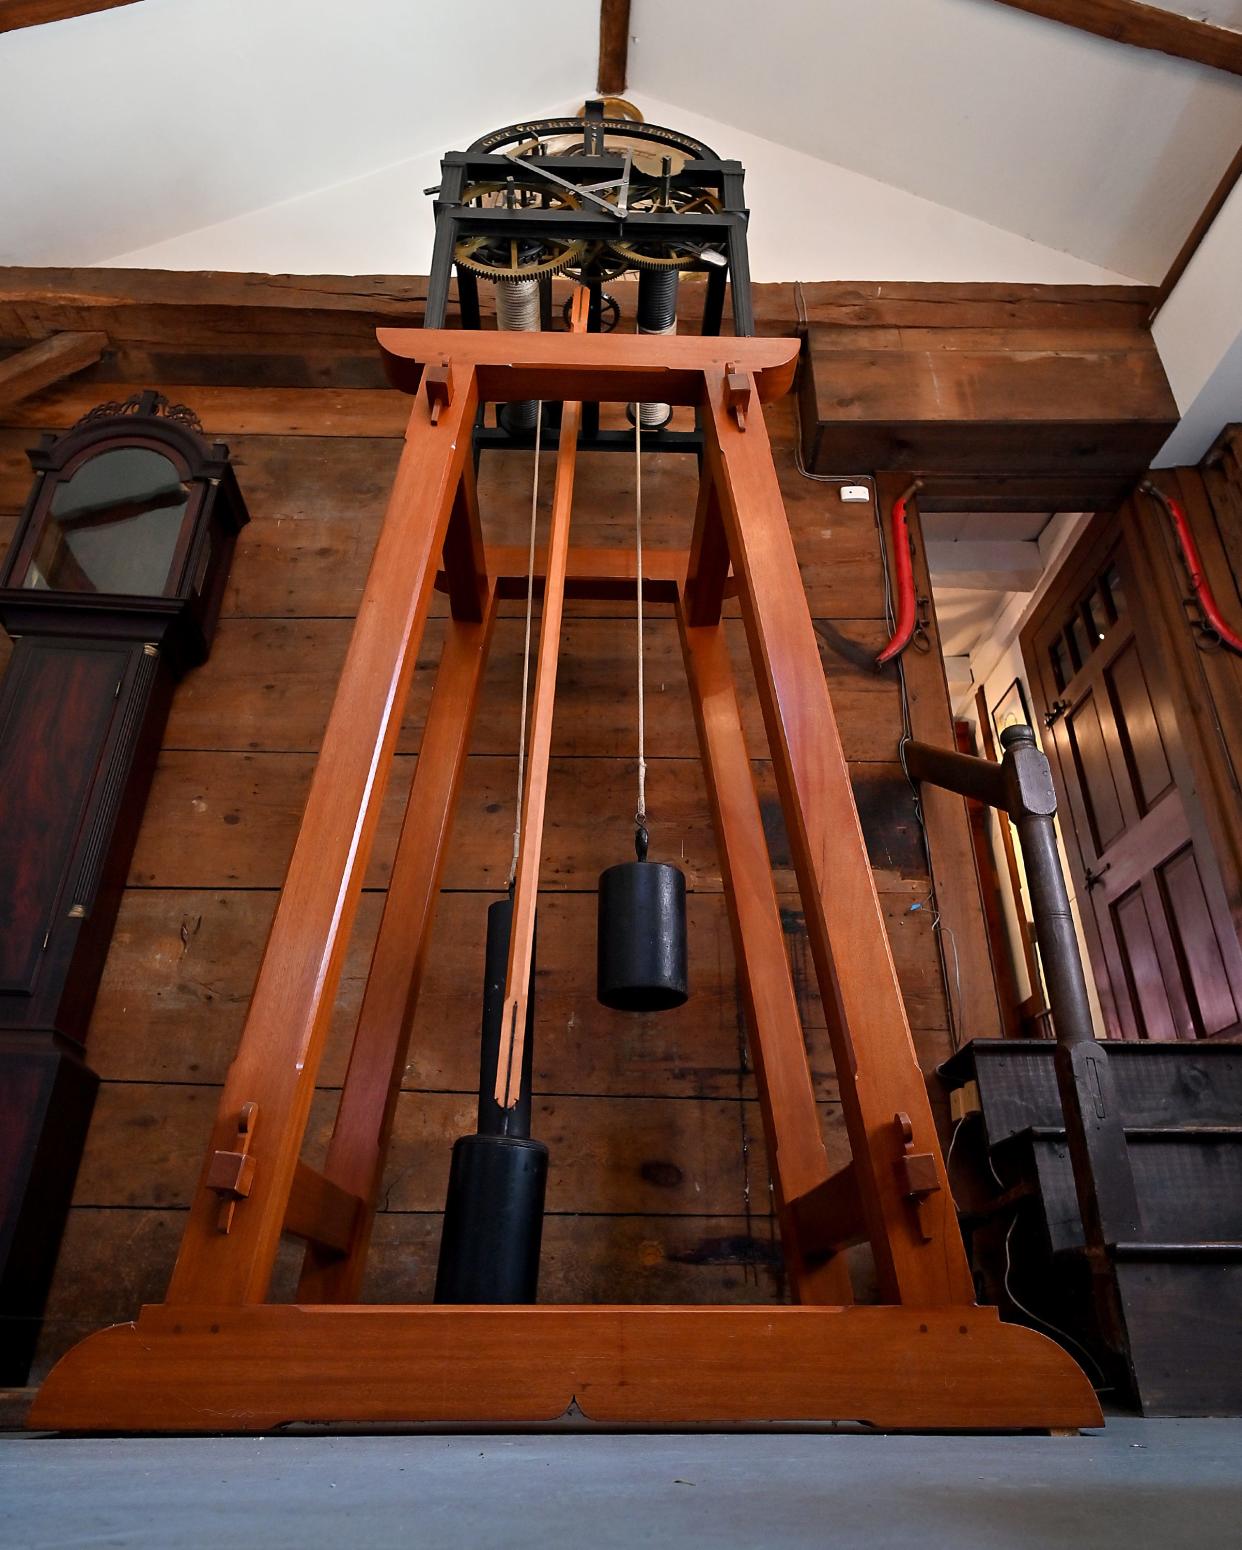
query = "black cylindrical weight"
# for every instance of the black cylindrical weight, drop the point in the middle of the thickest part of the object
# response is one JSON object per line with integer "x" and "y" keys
{"x": 495, "y": 971}
{"x": 493, "y": 1221}
{"x": 641, "y": 942}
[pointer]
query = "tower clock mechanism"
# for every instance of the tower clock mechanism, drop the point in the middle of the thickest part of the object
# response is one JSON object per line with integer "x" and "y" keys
{"x": 589, "y": 198}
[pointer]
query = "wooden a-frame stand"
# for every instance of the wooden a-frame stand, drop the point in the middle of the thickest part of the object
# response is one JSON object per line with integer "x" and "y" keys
{"x": 216, "y": 1356}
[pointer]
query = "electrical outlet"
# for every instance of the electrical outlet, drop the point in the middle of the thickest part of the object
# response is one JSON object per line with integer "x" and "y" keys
{"x": 855, "y": 492}
{"x": 964, "y": 1100}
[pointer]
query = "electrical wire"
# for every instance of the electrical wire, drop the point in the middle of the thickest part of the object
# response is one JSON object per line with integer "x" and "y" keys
{"x": 1100, "y": 1387}
{"x": 530, "y": 598}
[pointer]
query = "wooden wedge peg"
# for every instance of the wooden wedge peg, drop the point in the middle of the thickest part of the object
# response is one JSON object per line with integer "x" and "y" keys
{"x": 737, "y": 393}
{"x": 917, "y": 1172}
{"x": 438, "y": 380}
{"x": 231, "y": 1174}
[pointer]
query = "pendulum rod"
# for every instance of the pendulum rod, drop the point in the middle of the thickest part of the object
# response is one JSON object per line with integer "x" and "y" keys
{"x": 535, "y": 784}
{"x": 640, "y": 815}
{"x": 530, "y": 599}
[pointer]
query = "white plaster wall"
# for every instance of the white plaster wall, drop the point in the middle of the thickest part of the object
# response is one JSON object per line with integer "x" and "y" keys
{"x": 810, "y": 220}
{"x": 1071, "y": 140}
{"x": 124, "y": 128}
{"x": 1198, "y": 332}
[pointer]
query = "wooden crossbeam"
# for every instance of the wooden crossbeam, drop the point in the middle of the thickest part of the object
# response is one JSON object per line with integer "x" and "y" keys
{"x": 320, "y": 1211}
{"x": 38, "y": 367}
{"x": 1145, "y": 26}
{"x": 601, "y": 575}
{"x": 33, "y": 13}
{"x": 830, "y": 1217}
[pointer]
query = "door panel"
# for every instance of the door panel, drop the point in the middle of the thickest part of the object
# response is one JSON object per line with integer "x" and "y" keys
{"x": 1100, "y": 798}
{"x": 1148, "y": 1013}
{"x": 1142, "y": 745}
{"x": 1165, "y": 956}
{"x": 1214, "y": 1005}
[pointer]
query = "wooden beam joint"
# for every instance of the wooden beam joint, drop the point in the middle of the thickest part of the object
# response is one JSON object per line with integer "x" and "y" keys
{"x": 322, "y": 1212}
{"x": 830, "y": 1216}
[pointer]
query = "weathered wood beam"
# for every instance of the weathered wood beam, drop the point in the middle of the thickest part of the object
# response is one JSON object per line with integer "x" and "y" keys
{"x": 239, "y": 313}
{"x": 234, "y": 411}
{"x": 33, "y": 13}
{"x": 1145, "y": 26}
{"x": 1059, "y": 401}
{"x": 31, "y": 370}
{"x": 614, "y": 43}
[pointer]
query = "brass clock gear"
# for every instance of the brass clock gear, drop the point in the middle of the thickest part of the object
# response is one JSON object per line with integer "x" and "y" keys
{"x": 661, "y": 252}
{"x": 500, "y": 255}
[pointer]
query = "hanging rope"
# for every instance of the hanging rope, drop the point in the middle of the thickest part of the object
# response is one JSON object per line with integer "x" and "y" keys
{"x": 640, "y": 817}
{"x": 530, "y": 598}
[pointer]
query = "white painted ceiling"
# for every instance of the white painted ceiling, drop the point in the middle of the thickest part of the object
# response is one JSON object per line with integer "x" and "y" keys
{"x": 888, "y": 139}
{"x": 965, "y": 615}
{"x": 1073, "y": 141}
{"x": 134, "y": 125}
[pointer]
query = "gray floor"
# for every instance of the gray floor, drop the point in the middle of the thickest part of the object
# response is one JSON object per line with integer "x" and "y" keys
{"x": 1133, "y": 1485}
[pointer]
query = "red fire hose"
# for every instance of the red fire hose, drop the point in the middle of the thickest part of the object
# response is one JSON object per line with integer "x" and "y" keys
{"x": 903, "y": 628}
{"x": 1199, "y": 583}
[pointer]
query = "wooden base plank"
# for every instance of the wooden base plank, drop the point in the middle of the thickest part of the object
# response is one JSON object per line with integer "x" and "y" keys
{"x": 250, "y": 1369}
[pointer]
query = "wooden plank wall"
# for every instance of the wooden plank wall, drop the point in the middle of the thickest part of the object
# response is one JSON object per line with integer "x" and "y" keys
{"x": 659, "y": 1189}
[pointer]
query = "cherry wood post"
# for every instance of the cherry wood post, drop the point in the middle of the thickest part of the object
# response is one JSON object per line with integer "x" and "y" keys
{"x": 359, "y": 1144}
{"x": 918, "y": 1247}
{"x": 282, "y": 1041}
{"x": 791, "y": 1123}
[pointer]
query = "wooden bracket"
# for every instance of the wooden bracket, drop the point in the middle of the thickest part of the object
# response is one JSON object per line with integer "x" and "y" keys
{"x": 916, "y": 1172}
{"x": 231, "y": 1174}
{"x": 438, "y": 380}
{"x": 737, "y": 393}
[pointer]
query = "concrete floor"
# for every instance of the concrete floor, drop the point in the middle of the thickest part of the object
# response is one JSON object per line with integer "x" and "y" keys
{"x": 1134, "y": 1485}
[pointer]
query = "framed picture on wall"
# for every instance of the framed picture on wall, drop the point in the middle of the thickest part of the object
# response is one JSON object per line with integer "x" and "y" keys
{"x": 1010, "y": 710}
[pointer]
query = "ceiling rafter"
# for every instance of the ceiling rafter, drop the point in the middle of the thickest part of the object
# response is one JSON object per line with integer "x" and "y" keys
{"x": 33, "y": 13}
{"x": 1144, "y": 26}
{"x": 614, "y": 45}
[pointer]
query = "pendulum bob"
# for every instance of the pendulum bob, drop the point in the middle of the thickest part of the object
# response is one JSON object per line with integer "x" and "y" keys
{"x": 641, "y": 941}
{"x": 493, "y": 1213}
{"x": 493, "y": 1220}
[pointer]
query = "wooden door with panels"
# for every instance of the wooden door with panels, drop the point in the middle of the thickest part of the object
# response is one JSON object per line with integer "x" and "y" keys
{"x": 1166, "y": 958}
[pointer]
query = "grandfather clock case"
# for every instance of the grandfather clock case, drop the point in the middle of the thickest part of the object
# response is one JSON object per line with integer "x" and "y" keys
{"x": 110, "y": 591}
